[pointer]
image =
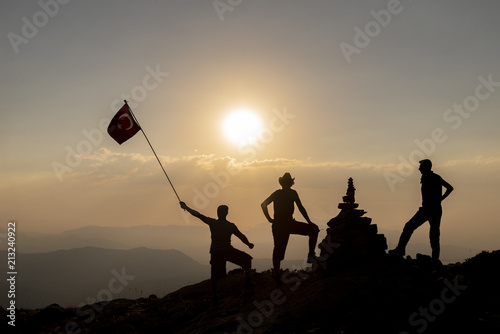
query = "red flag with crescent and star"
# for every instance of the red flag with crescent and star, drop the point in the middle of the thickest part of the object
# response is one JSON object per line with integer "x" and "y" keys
{"x": 123, "y": 126}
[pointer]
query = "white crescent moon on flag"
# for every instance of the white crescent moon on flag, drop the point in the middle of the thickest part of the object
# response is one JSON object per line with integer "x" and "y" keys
{"x": 129, "y": 119}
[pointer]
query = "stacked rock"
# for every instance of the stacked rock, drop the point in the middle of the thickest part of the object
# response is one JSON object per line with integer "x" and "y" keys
{"x": 351, "y": 238}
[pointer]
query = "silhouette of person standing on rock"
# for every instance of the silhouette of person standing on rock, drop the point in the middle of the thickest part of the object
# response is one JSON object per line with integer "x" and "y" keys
{"x": 221, "y": 249}
{"x": 431, "y": 210}
{"x": 284, "y": 224}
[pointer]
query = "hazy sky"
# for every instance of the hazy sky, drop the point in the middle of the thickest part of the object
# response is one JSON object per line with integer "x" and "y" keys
{"x": 343, "y": 88}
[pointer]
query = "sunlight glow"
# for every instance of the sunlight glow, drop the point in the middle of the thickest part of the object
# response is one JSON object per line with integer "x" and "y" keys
{"x": 242, "y": 127}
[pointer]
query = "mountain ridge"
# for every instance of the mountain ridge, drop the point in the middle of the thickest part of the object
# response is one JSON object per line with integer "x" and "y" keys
{"x": 390, "y": 295}
{"x": 194, "y": 241}
{"x": 71, "y": 276}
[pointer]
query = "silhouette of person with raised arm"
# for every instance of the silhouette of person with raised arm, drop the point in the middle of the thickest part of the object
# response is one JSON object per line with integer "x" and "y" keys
{"x": 284, "y": 224}
{"x": 431, "y": 210}
{"x": 221, "y": 249}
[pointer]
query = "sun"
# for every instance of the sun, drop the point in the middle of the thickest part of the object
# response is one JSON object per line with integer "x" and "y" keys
{"x": 242, "y": 127}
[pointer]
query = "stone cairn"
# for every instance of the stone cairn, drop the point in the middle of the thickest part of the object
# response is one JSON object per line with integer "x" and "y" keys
{"x": 351, "y": 238}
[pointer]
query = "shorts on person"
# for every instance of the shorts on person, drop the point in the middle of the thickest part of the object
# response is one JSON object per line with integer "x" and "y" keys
{"x": 219, "y": 258}
{"x": 282, "y": 231}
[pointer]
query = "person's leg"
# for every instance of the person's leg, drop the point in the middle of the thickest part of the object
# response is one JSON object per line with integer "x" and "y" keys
{"x": 245, "y": 261}
{"x": 241, "y": 259}
{"x": 310, "y": 230}
{"x": 417, "y": 220}
{"x": 434, "y": 232}
{"x": 218, "y": 270}
{"x": 276, "y": 266}
{"x": 280, "y": 237}
{"x": 313, "y": 239}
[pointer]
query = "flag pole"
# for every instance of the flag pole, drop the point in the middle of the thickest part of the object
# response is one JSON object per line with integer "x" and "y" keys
{"x": 152, "y": 149}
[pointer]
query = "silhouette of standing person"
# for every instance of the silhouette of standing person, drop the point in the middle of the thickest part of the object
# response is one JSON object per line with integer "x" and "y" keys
{"x": 221, "y": 249}
{"x": 284, "y": 224}
{"x": 431, "y": 210}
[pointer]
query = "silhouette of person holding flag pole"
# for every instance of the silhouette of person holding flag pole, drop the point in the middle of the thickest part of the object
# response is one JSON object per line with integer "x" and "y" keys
{"x": 124, "y": 126}
{"x": 221, "y": 249}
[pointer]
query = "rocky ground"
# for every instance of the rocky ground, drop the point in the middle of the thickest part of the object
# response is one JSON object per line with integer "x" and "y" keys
{"x": 389, "y": 295}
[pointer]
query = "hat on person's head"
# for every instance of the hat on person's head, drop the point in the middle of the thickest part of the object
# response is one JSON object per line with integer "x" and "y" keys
{"x": 426, "y": 162}
{"x": 286, "y": 178}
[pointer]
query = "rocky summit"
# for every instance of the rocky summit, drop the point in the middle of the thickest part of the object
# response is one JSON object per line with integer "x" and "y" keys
{"x": 353, "y": 287}
{"x": 386, "y": 295}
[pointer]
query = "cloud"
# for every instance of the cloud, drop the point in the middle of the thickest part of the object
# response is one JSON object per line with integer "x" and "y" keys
{"x": 479, "y": 160}
{"x": 103, "y": 159}
{"x": 107, "y": 166}
{"x": 104, "y": 156}
{"x": 126, "y": 189}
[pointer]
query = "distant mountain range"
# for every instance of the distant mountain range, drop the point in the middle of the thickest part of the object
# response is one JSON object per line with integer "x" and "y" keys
{"x": 71, "y": 277}
{"x": 194, "y": 241}
{"x": 84, "y": 275}
{"x": 191, "y": 239}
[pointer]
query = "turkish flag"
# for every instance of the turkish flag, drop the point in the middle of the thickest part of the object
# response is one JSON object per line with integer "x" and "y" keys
{"x": 123, "y": 126}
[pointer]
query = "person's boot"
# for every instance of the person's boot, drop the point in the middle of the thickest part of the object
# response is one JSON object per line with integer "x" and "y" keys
{"x": 436, "y": 263}
{"x": 397, "y": 251}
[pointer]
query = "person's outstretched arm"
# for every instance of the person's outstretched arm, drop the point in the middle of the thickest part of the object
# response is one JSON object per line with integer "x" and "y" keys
{"x": 448, "y": 191}
{"x": 302, "y": 209}
{"x": 193, "y": 212}
{"x": 264, "y": 206}
{"x": 243, "y": 238}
